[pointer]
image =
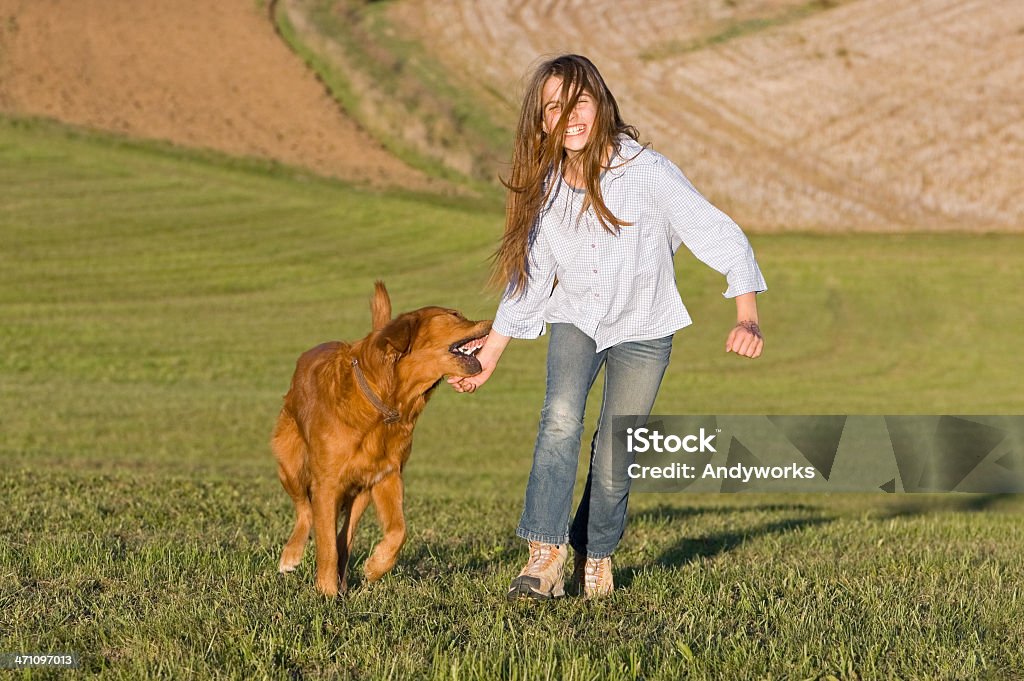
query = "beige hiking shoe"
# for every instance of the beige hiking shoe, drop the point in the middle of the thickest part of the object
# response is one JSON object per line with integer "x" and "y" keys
{"x": 542, "y": 577}
{"x": 597, "y": 577}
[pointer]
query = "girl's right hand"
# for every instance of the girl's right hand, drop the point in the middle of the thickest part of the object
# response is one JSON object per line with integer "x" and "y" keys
{"x": 469, "y": 384}
{"x": 489, "y": 355}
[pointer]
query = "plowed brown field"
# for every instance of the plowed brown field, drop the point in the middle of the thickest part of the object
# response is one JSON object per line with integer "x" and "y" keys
{"x": 200, "y": 73}
{"x": 869, "y": 114}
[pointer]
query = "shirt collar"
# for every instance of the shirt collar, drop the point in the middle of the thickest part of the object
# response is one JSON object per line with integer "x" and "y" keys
{"x": 627, "y": 152}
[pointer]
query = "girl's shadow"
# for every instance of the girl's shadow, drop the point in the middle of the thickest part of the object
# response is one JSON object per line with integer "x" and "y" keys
{"x": 688, "y": 550}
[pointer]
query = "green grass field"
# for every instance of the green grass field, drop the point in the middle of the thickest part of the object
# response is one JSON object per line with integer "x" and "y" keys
{"x": 152, "y": 304}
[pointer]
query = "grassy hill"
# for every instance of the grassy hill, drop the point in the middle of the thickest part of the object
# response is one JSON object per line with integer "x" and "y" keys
{"x": 154, "y": 301}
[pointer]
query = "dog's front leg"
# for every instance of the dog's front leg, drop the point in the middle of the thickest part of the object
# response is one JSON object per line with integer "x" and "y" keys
{"x": 352, "y": 508}
{"x": 387, "y": 498}
{"x": 352, "y": 524}
{"x": 325, "y": 527}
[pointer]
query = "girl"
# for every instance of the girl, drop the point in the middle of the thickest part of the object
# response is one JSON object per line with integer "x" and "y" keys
{"x": 592, "y": 222}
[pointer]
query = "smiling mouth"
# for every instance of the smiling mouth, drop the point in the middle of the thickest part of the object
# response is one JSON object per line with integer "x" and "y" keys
{"x": 467, "y": 347}
{"x": 574, "y": 130}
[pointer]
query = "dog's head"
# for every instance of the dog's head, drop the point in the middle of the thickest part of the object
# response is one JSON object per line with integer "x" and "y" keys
{"x": 435, "y": 340}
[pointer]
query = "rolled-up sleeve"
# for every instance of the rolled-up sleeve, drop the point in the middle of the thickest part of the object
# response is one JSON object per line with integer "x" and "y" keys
{"x": 522, "y": 316}
{"x": 709, "y": 233}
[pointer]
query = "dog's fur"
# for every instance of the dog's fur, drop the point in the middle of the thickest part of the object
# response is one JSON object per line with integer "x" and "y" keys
{"x": 335, "y": 452}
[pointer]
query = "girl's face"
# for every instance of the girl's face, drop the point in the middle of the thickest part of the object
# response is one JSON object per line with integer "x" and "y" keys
{"x": 580, "y": 120}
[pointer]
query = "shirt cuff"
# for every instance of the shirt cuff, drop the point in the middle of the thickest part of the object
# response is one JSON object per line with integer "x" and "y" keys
{"x": 517, "y": 328}
{"x": 745, "y": 282}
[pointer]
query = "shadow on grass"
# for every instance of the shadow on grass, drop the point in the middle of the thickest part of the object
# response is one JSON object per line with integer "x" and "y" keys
{"x": 688, "y": 550}
{"x": 436, "y": 557}
{"x": 433, "y": 559}
{"x": 960, "y": 503}
{"x": 666, "y": 512}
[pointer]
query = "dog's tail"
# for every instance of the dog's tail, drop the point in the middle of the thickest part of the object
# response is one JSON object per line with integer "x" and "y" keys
{"x": 292, "y": 457}
{"x": 380, "y": 306}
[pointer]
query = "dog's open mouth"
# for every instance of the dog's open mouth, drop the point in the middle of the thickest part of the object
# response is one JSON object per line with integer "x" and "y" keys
{"x": 468, "y": 346}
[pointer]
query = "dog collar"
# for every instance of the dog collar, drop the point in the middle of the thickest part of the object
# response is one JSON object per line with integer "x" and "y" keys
{"x": 390, "y": 415}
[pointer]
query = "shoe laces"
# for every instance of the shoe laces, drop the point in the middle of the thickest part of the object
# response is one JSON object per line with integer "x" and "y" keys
{"x": 595, "y": 572}
{"x": 541, "y": 556}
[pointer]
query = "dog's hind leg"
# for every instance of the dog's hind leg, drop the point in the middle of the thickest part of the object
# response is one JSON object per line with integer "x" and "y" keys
{"x": 290, "y": 451}
{"x": 387, "y": 498}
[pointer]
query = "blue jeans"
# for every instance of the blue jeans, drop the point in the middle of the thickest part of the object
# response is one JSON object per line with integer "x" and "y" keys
{"x": 632, "y": 378}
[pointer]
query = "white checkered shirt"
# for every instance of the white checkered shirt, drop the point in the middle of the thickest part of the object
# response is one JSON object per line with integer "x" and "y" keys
{"x": 622, "y": 288}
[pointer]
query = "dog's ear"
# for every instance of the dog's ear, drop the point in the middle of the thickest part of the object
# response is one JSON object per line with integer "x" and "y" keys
{"x": 396, "y": 337}
{"x": 380, "y": 306}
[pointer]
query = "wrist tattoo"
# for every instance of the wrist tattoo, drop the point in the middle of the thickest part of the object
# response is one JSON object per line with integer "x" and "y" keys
{"x": 751, "y": 327}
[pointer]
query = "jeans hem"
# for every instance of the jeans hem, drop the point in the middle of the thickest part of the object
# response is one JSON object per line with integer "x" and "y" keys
{"x": 530, "y": 535}
{"x": 575, "y": 545}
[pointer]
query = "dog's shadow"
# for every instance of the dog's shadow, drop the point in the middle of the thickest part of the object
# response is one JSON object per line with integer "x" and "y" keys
{"x": 432, "y": 559}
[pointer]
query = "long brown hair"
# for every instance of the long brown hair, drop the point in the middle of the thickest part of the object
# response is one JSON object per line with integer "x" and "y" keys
{"x": 536, "y": 154}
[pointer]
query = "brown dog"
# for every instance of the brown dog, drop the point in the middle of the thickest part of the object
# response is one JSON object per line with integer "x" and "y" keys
{"x": 345, "y": 431}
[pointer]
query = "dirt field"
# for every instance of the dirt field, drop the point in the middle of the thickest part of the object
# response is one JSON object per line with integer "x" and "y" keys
{"x": 864, "y": 114}
{"x": 197, "y": 73}
{"x": 830, "y": 114}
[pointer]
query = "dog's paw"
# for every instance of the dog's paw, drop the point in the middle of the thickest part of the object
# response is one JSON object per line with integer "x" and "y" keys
{"x": 330, "y": 587}
{"x": 376, "y": 568}
{"x": 289, "y": 561}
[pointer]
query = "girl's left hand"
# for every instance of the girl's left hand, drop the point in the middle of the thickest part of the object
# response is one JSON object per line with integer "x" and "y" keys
{"x": 745, "y": 339}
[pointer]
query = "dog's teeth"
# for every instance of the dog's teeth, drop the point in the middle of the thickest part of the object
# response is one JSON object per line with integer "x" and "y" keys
{"x": 471, "y": 347}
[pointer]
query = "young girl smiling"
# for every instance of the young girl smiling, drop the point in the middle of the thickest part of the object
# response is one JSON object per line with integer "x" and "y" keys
{"x": 593, "y": 220}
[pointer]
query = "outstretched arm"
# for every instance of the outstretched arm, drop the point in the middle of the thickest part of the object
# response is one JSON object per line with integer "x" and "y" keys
{"x": 517, "y": 316}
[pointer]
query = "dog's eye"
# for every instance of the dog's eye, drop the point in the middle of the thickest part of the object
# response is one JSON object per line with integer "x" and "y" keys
{"x": 455, "y": 313}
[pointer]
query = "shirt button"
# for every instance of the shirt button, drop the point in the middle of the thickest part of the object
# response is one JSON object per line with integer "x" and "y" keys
{"x": 593, "y": 245}
{"x": 595, "y": 271}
